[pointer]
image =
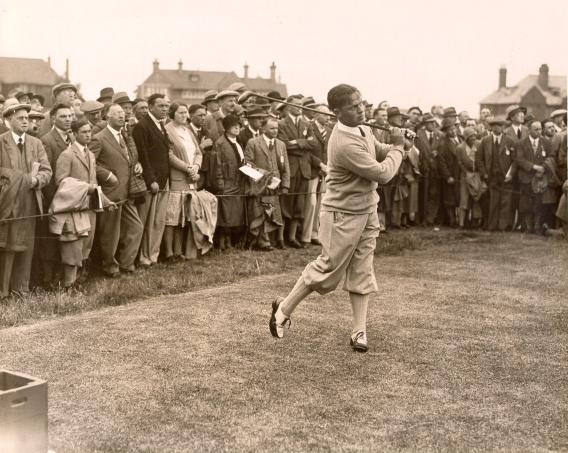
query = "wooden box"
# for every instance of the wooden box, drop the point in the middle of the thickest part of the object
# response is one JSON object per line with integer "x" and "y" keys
{"x": 23, "y": 413}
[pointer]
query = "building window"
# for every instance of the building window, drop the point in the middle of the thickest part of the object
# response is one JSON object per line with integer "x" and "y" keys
{"x": 192, "y": 94}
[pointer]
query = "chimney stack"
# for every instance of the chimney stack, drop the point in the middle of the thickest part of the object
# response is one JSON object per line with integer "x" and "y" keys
{"x": 543, "y": 76}
{"x": 502, "y": 77}
{"x": 246, "y": 72}
{"x": 273, "y": 72}
{"x": 180, "y": 65}
{"x": 156, "y": 65}
{"x": 67, "y": 69}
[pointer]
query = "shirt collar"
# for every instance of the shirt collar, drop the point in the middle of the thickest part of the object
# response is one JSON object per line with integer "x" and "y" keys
{"x": 196, "y": 129}
{"x": 294, "y": 119}
{"x": 534, "y": 141}
{"x": 345, "y": 128}
{"x": 63, "y": 134}
{"x": 155, "y": 120}
{"x": 81, "y": 147}
{"x": 114, "y": 132}
{"x": 267, "y": 140}
{"x": 17, "y": 137}
{"x": 254, "y": 133}
{"x": 495, "y": 136}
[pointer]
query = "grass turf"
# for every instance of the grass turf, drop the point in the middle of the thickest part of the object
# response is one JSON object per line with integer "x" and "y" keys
{"x": 468, "y": 353}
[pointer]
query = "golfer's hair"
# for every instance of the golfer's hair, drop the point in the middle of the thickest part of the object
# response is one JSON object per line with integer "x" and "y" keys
{"x": 340, "y": 95}
{"x": 78, "y": 124}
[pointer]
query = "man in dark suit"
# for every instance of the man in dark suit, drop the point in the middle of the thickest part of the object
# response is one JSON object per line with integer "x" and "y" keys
{"x": 23, "y": 159}
{"x": 531, "y": 154}
{"x": 496, "y": 162}
{"x": 449, "y": 169}
{"x": 296, "y": 135}
{"x": 321, "y": 132}
{"x": 153, "y": 145}
{"x": 119, "y": 230}
{"x": 57, "y": 140}
{"x": 430, "y": 189}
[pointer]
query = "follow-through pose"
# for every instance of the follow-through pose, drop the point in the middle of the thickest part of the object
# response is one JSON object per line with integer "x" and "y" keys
{"x": 349, "y": 223}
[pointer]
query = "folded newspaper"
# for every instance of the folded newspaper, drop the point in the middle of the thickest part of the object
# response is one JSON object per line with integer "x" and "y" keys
{"x": 252, "y": 173}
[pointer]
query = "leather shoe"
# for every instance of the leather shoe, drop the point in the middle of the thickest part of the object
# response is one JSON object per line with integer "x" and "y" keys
{"x": 277, "y": 330}
{"x": 316, "y": 242}
{"x": 265, "y": 248}
{"x": 280, "y": 245}
{"x": 111, "y": 274}
{"x": 295, "y": 244}
{"x": 359, "y": 342}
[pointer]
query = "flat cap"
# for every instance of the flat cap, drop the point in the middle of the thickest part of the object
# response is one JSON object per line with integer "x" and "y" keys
{"x": 237, "y": 86}
{"x": 256, "y": 112}
{"x": 428, "y": 118}
{"x": 226, "y": 93}
{"x": 308, "y": 101}
{"x": 35, "y": 114}
{"x": 63, "y": 86}
{"x": 209, "y": 96}
{"x": 243, "y": 97}
{"x": 91, "y": 106}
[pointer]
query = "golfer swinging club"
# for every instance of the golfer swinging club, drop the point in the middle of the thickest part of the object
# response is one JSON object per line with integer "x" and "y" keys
{"x": 349, "y": 224}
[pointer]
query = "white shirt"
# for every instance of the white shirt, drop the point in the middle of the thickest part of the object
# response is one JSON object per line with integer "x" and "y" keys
{"x": 115, "y": 133}
{"x": 81, "y": 147}
{"x": 516, "y": 129}
{"x": 254, "y": 133}
{"x": 268, "y": 140}
{"x": 352, "y": 130}
{"x": 295, "y": 119}
{"x": 17, "y": 137}
{"x": 534, "y": 142}
{"x": 156, "y": 121}
{"x": 64, "y": 135}
{"x": 496, "y": 137}
{"x": 239, "y": 149}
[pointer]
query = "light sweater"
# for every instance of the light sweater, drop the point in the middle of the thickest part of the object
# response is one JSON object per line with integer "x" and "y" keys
{"x": 354, "y": 171}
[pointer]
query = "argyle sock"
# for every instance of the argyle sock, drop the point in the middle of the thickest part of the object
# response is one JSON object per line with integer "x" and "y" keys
{"x": 359, "y": 306}
{"x": 299, "y": 292}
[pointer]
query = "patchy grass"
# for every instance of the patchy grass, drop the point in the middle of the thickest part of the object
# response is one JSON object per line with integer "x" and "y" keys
{"x": 469, "y": 352}
{"x": 217, "y": 268}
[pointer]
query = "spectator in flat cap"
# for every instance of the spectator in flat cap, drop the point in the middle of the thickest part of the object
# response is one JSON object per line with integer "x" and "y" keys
{"x": 153, "y": 145}
{"x": 239, "y": 87}
{"x": 92, "y": 111}
{"x": 255, "y": 118}
{"x": 231, "y": 211}
{"x": 209, "y": 101}
{"x": 55, "y": 142}
{"x": 247, "y": 100}
{"x": 63, "y": 93}
{"x": 23, "y": 183}
{"x": 35, "y": 119}
{"x": 106, "y": 95}
{"x": 214, "y": 124}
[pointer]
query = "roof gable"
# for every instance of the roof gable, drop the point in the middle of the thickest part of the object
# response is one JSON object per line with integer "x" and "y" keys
{"x": 32, "y": 71}
{"x": 515, "y": 94}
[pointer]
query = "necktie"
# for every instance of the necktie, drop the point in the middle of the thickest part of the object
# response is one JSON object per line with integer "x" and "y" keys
{"x": 431, "y": 138}
{"x": 362, "y": 133}
{"x": 324, "y": 135}
{"x": 21, "y": 145}
{"x": 67, "y": 139}
{"x": 519, "y": 133}
{"x": 163, "y": 128}
{"x": 271, "y": 146}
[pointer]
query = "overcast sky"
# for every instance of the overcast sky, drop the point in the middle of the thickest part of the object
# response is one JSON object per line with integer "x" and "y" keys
{"x": 408, "y": 52}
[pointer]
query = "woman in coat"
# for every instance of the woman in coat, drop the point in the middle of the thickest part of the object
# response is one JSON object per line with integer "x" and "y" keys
{"x": 469, "y": 196}
{"x": 231, "y": 215}
{"x": 185, "y": 159}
